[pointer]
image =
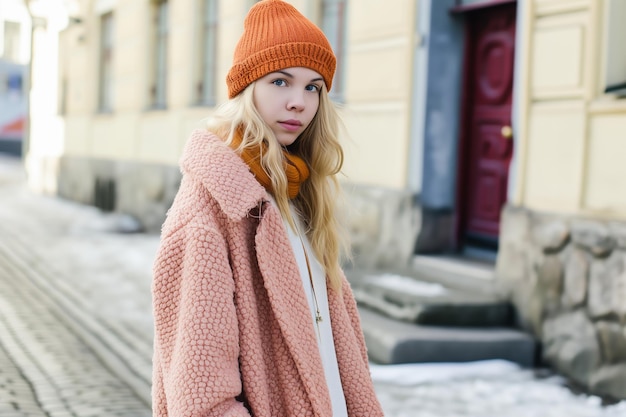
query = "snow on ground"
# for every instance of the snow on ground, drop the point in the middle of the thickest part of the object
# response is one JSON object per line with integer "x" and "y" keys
{"x": 407, "y": 285}
{"x": 424, "y": 373}
{"x": 492, "y": 388}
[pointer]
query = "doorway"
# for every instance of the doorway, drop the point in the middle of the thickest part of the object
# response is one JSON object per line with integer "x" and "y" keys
{"x": 486, "y": 145}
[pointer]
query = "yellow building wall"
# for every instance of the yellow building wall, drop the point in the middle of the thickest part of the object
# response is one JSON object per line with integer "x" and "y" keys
{"x": 378, "y": 66}
{"x": 606, "y": 174}
{"x": 571, "y": 133}
{"x": 131, "y": 131}
{"x": 378, "y": 91}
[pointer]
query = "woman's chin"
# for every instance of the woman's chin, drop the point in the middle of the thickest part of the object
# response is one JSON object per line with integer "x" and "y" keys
{"x": 286, "y": 140}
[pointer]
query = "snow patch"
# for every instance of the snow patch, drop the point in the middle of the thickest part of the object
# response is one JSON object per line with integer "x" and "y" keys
{"x": 420, "y": 373}
{"x": 407, "y": 285}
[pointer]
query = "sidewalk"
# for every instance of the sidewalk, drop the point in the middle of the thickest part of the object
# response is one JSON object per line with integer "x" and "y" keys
{"x": 76, "y": 328}
{"x": 75, "y": 325}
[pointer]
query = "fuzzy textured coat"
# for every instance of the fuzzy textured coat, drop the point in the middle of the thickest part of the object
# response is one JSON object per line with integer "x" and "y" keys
{"x": 233, "y": 331}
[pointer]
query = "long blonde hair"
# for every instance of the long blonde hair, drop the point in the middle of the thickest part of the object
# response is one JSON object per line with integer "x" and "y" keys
{"x": 318, "y": 145}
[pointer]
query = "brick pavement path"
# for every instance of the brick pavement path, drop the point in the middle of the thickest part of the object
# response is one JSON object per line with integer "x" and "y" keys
{"x": 62, "y": 353}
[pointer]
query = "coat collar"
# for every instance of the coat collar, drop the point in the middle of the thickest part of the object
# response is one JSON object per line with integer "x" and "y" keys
{"x": 281, "y": 278}
{"x": 208, "y": 159}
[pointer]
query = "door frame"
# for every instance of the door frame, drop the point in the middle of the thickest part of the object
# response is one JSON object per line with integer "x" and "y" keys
{"x": 465, "y": 117}
{"x": 462, "y": 8}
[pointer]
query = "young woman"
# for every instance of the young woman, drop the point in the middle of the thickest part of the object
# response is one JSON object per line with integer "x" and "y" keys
{"x": 253, "y": 315}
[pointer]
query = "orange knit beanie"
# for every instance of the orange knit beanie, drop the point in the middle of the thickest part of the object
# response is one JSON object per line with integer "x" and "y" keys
{"x": 277, "y": 36}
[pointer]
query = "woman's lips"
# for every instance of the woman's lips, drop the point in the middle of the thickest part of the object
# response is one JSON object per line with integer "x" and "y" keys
{"x": 291, "y": 125}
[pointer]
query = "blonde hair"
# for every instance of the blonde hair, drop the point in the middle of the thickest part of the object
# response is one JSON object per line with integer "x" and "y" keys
{"x": 319, "y": 196}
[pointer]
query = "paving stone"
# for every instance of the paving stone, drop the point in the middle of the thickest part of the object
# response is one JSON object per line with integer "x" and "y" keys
{"x": 49, "y": 354}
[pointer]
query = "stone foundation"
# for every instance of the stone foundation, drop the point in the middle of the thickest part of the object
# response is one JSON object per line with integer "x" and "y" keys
{"x": 384, "y": 224}
{"x": 145, "y": 191}
{"x": 567, "y": 278}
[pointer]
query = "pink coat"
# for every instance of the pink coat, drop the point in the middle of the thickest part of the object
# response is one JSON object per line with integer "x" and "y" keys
{"x": 233, "y": 332}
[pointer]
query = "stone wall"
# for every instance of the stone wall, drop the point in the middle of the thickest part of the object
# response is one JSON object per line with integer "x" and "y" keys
{"x": 567, "y": 278}
{"x": 145, "y": 191}
{"x": 383, "y": 223}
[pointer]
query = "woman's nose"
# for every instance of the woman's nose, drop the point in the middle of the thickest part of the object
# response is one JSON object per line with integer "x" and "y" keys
{"x": 296, "y": 102}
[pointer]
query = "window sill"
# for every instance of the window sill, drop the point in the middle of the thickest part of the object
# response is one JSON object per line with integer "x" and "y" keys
{"x": 608, "y": 104}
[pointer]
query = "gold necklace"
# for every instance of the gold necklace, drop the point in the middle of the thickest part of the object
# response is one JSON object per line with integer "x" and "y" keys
{"x": 318, "y": 315}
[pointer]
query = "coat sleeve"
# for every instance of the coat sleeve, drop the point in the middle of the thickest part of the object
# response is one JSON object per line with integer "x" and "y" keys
{"x": 196, "y": 368}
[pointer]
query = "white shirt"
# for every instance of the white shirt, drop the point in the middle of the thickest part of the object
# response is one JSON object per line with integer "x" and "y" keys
{"x": 322, "y": 329}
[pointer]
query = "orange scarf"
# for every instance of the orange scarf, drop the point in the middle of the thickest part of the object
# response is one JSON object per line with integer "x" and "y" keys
{"x": 295, "y": 168}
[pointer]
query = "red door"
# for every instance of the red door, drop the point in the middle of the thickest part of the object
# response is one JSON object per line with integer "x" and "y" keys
{"x": 487, "y": 142}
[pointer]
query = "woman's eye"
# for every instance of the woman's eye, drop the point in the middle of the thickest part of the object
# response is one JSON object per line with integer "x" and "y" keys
{"x": 313, "y": 87}
{"x": 279, "y": 82}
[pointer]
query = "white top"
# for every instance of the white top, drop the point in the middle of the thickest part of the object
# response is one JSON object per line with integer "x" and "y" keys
{"x": 323, "y": 329}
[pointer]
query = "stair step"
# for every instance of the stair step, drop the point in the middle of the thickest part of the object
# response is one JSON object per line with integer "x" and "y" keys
{"x": 391, "y": 341}
{"x": 420, "y": 299}
{"x": 455, "y": 271}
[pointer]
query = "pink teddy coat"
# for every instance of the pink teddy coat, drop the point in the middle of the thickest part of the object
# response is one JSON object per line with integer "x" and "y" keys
{"x": 233, "y": 331}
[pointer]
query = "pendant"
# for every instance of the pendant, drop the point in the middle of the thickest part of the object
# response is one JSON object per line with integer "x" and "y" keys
{"x": 318, "y": 317}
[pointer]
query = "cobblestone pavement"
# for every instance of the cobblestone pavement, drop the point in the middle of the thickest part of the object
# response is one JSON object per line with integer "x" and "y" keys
{"x": 76, "y": 328}
{"x": 74, "y": 338}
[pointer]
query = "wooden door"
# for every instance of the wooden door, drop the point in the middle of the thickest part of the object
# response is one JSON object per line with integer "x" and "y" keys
{"x": 487, "y": 142}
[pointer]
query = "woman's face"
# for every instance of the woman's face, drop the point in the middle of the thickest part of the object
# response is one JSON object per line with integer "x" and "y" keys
{"x": 288, "y": 100}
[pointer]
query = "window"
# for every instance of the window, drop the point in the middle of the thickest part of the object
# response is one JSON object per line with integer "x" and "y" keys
{"x": 334, "y": 26}
{"x": 105, "y": 96}
{"x": 206, "y": 84}
{"x": 158, "y": 91}
{"x": 615, "y": 61}
{"x": 11, "y": 41}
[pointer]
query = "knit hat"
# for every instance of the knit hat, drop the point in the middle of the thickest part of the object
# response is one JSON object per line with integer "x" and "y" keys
{"x": 277, "y": 36}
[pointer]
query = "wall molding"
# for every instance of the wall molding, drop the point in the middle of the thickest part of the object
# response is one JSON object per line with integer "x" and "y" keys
{"x": 550, "y": 7}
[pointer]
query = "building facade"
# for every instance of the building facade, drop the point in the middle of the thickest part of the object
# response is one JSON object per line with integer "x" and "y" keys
{"x": 136, "y": 77}
{"x": 562, "y": 239}
{"x": 486, "y": 128}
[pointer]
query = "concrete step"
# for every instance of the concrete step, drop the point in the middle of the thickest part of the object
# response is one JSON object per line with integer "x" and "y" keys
{"x": 435, "y": 291}
{"x": 455, "y": 271}
{"x": 391, "y": 341}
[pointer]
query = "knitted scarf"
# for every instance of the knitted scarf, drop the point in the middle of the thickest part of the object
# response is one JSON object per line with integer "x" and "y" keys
{"x": 296, "y": 169}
